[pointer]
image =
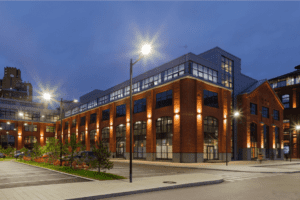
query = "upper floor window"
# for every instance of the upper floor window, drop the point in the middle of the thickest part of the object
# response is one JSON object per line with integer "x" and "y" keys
{"x": 164, "y": 99}
{"x": 281, "y": 83}
{"x": 50, "y": 129}
{"x": 139, "y": 105}
{"x": 116, "y": 95}
{"x": 135, "y": 88}
{"x": 285, "y": 100}
{"x": 174, "y": 72}
{"x": 103, "y": 100}
{"x": 66, "y": 124}
{"x": 151, "y": 81}
{"x": 227, "y": 65}
{"x": 68, "y": 113}
{"x": 74, "y": 121}
{"x": 7, "y": 127}
{"x": 105, "y": 114}
{"x": 210, "y": 98}
{"x": 93, "y": 118}
{"x": 298, "y": 80}
{"x": 82, "y": 121}
{"x": 273, "y": 85}
{"x": 286, "y": 121}
{"x": 253, "y": 108}
{"x": 276, "y": 114}
{"x": 205, "y": 72}
{"x": 75, "y": 110}
{"x": 83, "y": 107}
{"x": 265, "y": 112}
{"x": 290, "y": 81}
{"x": 121, "y": 110}
{"x": 30, "y": 127}
{"x": 92, "y": 104}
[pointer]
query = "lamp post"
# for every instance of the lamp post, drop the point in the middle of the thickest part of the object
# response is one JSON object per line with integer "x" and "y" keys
{"x": 48, "y": 97}
{"x": 235, "y": 115}
{"x": 145, "y": 50}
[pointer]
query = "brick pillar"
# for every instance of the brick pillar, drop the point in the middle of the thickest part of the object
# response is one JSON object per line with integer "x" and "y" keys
{"x": 150, "y": 145}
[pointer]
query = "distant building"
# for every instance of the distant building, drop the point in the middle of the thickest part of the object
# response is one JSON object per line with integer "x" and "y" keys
{"x": 287, "y": 87}
{"x": 12, "y": 87}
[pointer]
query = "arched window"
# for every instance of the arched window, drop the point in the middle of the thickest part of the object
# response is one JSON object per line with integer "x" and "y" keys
{"x": 164, "y": 136}
{"x": 139, "y": 130}
{"x": 211, "y": 138}
{"x": 285, "y": 100}
{"x": 92, "y": 138}
{"x": 105, "y": 137}
{"x": 120, "y": 140}
{"x": 253, "y": 140}
{"x": 82, "y": 138}
{"x": 266, "y": 140}
{"x": 277, "y": 142}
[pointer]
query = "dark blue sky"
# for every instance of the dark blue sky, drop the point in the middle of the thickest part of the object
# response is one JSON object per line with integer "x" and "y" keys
{"x": 76, "y": 47}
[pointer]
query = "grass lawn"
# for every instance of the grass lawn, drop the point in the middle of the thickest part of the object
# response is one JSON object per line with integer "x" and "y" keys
{"x": 6, "y": 159}
{"x": 78, "y": 172}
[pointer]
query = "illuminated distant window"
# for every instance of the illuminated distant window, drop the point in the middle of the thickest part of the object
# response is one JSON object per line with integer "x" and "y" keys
{"x": 286, "y": 100}
{"x": 290, "y": 81}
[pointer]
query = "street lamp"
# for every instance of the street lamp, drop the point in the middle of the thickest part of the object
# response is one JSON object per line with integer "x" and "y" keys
{"x": 236, "y": 114}
{"x": 48, "y": 97}
{"x": 145, "y": 51}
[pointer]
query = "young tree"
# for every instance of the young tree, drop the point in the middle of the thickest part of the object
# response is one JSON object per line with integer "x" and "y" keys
{"x": 23, "y": 150}
{"x": 36, "y": 151}
{"x": 1, "y": 149}
{"x": 102, "y": 157}
{"x": 73, "y": 145}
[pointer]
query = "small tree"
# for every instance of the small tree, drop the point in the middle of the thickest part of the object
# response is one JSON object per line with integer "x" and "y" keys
{"x": 24, "y": 150}
{"x": 8, "y": 151}
{"x": 36, "y": 151}
{"x": 1, "y": 149}
{"x": 102, "y": 157}
{"x": 73, "y": 145}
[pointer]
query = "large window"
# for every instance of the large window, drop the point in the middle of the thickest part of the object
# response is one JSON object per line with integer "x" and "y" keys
{"x": 290, "y": 81}
{"x": 105, "y": 137}
{"x": 139, "y": 130}
{"x": 116, "y": 95}
{"x": 82, "y": 121}
{"x": 174, "y": 72}
{"x": 205, "y": 72}
{"x": 266, "y": 139}
{"x": 29, "y": 127}
{"x": 29, "y": 141}
{"x": 75, "y": 110}
{"x": 105, "y": 114}
{"x": 66, "y": 125}
{"x": 164, "y": 99}
{"x": 210, "y": 98}
{"x": 50, "y": 129}
{"x": 8, "y": 113}
{"x": 226, "y": 66}
{"x": 164, "y": 135}
{"x": 211, "y": 138}
{"x": 253, "y": 108}
{"x": 253, "y": 140}
{"x": 93, "y": 118}
{"x": 92, "y": 137}
{"x": 74, "y": 122}
{"x": 281, "y": 83}
{"x": 276, "y": 114}
{"x": 121, "y": 110}
{"x": 277, "y": 142}
{"x": 265, "y": 112}
{"x": 120, "y": 141}
{"x": 151, "y": 81}
{"x": 135, "y": 88}
{"x": 139, "y": 105}
{"x": 285, "y": 100}
{"x": 103, "y": 100}
{"x": 83, "y": 107}
{"x": 82, "y": 137}
{"x": 7, "y": 127}
{"x": 92, "y": 104}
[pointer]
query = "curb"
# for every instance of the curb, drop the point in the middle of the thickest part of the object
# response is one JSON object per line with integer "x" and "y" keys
{"x": 225, "y": 169}
{"x": 149, "y": 190}
{"x": 60, "y": 172}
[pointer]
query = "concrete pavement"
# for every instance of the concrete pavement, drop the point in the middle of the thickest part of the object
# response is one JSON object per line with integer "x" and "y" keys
{"x": 103, "y": 189}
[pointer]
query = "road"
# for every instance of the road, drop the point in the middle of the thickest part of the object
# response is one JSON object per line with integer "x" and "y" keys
{"x": 236, "y": 185}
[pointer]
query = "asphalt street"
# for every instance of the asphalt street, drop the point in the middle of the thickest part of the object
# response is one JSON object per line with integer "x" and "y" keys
{"x": 13, "y": 174}
{"x": 237, "y": 186}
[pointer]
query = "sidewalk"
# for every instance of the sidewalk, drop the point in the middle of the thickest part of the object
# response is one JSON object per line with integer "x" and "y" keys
{"x": 105, "y": 189}
{"x": 267, "y": 166}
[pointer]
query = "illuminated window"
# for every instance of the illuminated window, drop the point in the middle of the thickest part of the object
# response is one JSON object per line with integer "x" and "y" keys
{"x": 204, "y": 72}
{"x": 174, "y": 72}
{"x": 151, "y": 81}
{"x": 285, "y": 100}
{"x": 92, "y": 104}
{"x": 103, "y": 100}
{"x": 135, "y": 88}
{"x": 116, "y": 95}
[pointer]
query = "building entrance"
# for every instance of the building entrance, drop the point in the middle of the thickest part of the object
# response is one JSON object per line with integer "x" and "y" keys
{"x": 210, "y": 152}
{"x": 120, "y": 149}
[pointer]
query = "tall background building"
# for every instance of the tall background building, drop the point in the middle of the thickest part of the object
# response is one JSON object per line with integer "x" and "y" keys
{"x": 12, "y": 86}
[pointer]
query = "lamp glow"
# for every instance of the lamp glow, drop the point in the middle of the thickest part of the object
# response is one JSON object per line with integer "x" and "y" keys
{"x": 236, "y": 114}
{"x": 298, "y": 127}
{"x": 146, "y": 49}
{"x": 47, "y": 96}
{"x": 21, "y": 114}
